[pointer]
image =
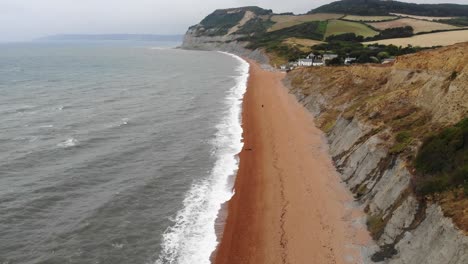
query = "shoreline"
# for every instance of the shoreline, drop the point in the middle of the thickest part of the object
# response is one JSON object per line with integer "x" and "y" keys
{"x": 289, "y": 205}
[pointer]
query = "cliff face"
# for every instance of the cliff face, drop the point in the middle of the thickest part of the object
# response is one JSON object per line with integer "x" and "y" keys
{"x": 224, "y": 29}
{"x": 363, "y": 109}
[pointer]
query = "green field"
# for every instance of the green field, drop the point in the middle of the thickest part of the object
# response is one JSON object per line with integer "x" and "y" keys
{"x": 285, "y": 21}
{"x": 337, "y": 27}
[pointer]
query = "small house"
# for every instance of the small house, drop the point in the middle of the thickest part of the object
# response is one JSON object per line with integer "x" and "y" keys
{"x": 305, "y": 62}
{"x": 318, "y": 61}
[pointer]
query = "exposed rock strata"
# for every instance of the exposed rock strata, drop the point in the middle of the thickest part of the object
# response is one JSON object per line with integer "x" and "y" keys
{"x": 226, "y": 43}
{"x": 407, "y": 229}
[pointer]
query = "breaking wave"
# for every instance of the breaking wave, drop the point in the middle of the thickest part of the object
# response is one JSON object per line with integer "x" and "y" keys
{"x": 192, "y": 237}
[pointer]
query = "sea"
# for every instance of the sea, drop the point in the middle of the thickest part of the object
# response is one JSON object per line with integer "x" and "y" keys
{"x": 115, "y": 152}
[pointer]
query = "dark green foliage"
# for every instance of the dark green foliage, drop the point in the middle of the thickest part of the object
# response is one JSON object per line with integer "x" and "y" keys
{"x": 377, "y": 7}
{"x": 443, "y": 160}
{"x": 459, "y": 21}
{"x": 335, "y": 61}
{"x": 310, "y": 30}
{"x": 364, "y": 54}
{"x": 385, "y": 252}
{"x": 219, "y": 22}
{"x": 400, "y": 32}
{"x": 255, "y": 26}
{"x": 345, "y": 37}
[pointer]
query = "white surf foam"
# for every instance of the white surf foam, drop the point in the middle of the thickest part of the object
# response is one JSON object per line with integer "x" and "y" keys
{"x": 192, "y": 238}
{"x": 71, "y": 142}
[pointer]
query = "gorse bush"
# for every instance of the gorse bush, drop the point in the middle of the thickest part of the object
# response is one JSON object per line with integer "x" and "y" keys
{"x": 443, "y": 160}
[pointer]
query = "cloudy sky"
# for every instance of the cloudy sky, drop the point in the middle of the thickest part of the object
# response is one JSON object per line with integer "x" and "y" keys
{"x": 28, "y": 19}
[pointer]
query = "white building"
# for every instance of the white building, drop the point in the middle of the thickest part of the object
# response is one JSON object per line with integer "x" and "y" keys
{"x": 318, "y": 61}
{"x": 305, "y": 62}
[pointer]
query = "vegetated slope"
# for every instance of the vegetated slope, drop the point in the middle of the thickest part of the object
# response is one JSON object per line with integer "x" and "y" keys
{"x": 403, "y": 105}
{"x": 377, "y": 8}
{"x": 221, "y": 21}
{"x": 304, "y": 44}
{"x": 278, "y": 49}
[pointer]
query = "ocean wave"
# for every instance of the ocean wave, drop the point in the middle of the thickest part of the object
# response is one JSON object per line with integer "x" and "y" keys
{"x": 192, "y": 237}
{"x": 70, "y": 142}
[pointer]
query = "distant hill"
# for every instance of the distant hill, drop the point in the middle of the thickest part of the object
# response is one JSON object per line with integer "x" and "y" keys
{"x": 378, "y": 7}
{"x": 97, "y": 37}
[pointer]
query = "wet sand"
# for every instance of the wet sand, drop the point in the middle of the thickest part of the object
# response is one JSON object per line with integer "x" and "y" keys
{"x": 289, "y": 204}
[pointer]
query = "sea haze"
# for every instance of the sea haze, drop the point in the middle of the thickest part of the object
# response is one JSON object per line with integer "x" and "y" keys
{"x": 115, "y": 153}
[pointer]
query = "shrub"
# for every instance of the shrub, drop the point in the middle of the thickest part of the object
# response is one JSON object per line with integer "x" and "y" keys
{"x": 443, "y": 160}
{"x": 399, "y": 32}
{"x": 453, "y": 76}
{"x": 383, "y": 55}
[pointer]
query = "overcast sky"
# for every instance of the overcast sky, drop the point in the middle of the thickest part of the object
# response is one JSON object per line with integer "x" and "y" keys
{"x": 28, "y": 19}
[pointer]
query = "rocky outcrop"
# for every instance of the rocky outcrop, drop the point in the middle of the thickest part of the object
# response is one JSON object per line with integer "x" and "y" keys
{"x": 434, "y": 241}
{"x": 352, "y": 105}
{"x": 406, "y": 231}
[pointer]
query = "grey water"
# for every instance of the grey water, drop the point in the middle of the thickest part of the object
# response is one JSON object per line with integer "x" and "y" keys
{"x": 101, "y": 145}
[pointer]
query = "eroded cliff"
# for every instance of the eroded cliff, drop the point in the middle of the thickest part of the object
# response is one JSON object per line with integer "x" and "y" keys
{"x": 376, "y": 118}
{"x": 225, "y": 29}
